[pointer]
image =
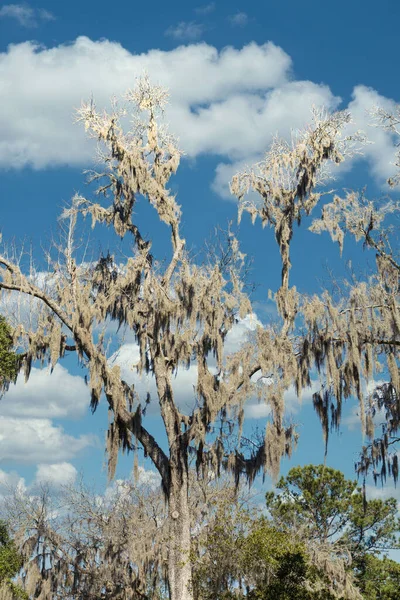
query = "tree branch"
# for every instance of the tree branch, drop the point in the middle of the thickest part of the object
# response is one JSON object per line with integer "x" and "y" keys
{"x": 157, "y": 455}
{"x": 32, "y": 290}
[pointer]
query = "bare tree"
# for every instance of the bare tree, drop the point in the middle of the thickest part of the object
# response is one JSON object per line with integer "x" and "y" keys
{"x": 180, "y": 313}
{"x": 78, "y": 544}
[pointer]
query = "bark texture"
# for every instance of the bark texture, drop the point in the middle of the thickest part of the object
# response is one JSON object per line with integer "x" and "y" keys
{"x": 179, "y": 565}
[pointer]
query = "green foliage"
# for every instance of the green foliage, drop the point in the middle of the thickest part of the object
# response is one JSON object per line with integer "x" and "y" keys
{"x": 374, "y": 525}
{"x": 278, "y": 563}
{"x": 10, "y": 564}
{"x": 217, "y": 559}
{"x": 244, "y": 556}
{"x": 379, "y": 579}
{"x": 333, "y": 509}
{"x": 239, "y": 555}
{"x": 276, "y": 557}
{"x": 315, "y": 496}
{"x": 9, "y": 360}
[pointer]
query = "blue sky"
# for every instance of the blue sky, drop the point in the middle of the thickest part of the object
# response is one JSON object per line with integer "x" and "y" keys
{"x": 237, "y": 75}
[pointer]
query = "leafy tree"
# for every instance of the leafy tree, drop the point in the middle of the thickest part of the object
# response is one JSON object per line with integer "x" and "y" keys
{"x": 249, "y": 557}
{"x": 9, "y": 360}
{"x": 316, "y": 497}
{"x": 333, "y": 511}
{"x": 235, "y": 553}
{"x": 331, "y": 507}
{"x": 279, "y": 567}
{"x": 10, "y": 565}
{"x": 379, "y": 579}
{"x": 180, "y": 312}
{"x": 373, "y": 525}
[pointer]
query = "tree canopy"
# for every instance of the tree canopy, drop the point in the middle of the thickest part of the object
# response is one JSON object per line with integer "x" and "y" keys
{"x": 180, "y": 312}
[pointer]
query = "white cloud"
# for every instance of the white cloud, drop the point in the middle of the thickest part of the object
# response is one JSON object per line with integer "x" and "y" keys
{"x": 239, "y": 19}
{"x": 25, "y": 15}
{"x": 122, "y": 488}
{"x": 148, "y": 478}
{"x": 281, "y": 111}
{"x": 145, "y": 477}
{"x": 21, "y": 12}
{"x": 56, "y": 474}
{"x": 379, "y": 492}
{"x": 229, "y": 103}
{"x": 37, "y": 109}
{"x": 255, "y": 409}
{"x": 46, "y": 15}
{"x": 206, "y": 9}
{"x": 32, "y": 441}
{"x": 381, "y": 154}
{"x": 11, "y": 480}
{"x": 242, "y": 125}
{"x": 239, "y": 333}
{"x": 186, "y": 31}
{"x": 52, "y": 395}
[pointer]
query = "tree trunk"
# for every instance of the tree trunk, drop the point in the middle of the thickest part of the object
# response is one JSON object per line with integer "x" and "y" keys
{"x": 179, "y": 564}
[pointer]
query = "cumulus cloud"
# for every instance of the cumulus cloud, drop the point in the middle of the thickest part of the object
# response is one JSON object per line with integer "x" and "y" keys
{"x": 148, "y": 478}
{"x": 33, "y": 441}
{"x": 282, "y": 110}
{"x": 122, "y": 488}
{"x": 52, "y": 395}
{"x": 381, "y": 154}
{"x": 56, "y": 474}
{"x": 240, "y": 332}
{"x": 37, "y": 109}
{"x": 239, "y": 19}
{"x": 185, "y": 31}
{"x": 227, "y": 103}
{"x": 25, "y": 15}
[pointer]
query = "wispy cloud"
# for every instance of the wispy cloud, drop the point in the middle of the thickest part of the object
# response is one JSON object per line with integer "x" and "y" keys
{"x": 45, "y": 15}
{"x": 239, "y": 19}
{"x": 186, "y": 31}
{"x": 26, "y": 15}
{"x": 206, "y": 9}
